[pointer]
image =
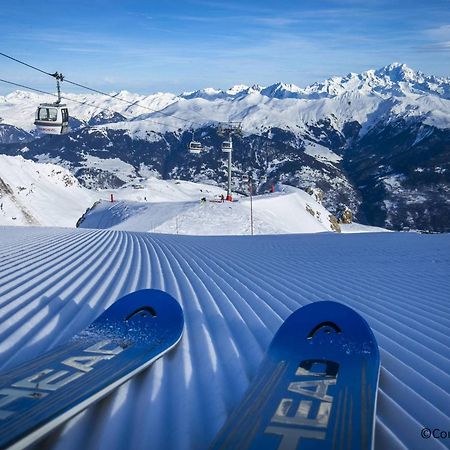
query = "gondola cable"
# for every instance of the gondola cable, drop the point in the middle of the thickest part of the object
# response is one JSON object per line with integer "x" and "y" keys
{"x": 98, "y": 91}
{"x": 76, "y": 101}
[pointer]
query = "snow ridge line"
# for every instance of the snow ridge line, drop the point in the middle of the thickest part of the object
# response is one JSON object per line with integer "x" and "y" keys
{"x": 45, "y": 276}
{"x": 42, "y": 258}
{"x": 187, "y": 419}
{"x": 401, "y": 421}
{"x": 28, "y": 247}
{"x": 217, "y": 312}
{"x": 231, "y": 313}
{"x": 197, "y": 346}
{"x": 50, "y": 287}
{"x": 96, "y": 286}
{"x": 433, "y": 358}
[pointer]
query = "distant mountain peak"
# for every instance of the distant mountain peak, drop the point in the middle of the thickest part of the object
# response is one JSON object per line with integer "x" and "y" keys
{"x": 206, "y": 93}
{"x": 282, "y": 90}
{"x": 398, "y": 72}
{"x": 238, "y": 88}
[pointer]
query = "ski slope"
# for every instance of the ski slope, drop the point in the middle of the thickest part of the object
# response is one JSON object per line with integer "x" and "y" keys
{"x": 235, "y": 291}
{"x": 49, "y": 195}
{"x": 288, "y": 211}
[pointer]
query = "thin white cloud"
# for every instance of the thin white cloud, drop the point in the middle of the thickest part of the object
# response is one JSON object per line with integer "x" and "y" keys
{"x": 442, "y": 32}
{"x": 438, "y": 39}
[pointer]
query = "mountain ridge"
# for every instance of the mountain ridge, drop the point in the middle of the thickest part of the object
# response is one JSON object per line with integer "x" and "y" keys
{"x": 395, "y": 80}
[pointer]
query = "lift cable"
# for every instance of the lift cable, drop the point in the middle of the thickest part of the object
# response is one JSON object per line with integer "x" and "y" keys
{"x": 100, "y": 92}
{"x": 78, "y": 101}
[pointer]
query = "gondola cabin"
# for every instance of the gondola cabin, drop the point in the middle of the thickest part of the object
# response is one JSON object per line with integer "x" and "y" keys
{"x": 195, "y": 147}
{"x": 52, "y": 118}
{"x": 227, "y": 146}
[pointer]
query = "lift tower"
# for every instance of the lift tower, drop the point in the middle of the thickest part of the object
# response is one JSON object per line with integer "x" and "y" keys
{"x": 229, "y": 130}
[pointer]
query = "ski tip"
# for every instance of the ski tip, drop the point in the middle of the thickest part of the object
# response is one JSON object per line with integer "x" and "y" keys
{"x": 325, "y": 321}
{"x": 144, "y": 314}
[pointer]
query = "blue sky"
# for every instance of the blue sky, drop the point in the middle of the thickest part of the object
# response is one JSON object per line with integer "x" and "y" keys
{"x": 147, "y": 46}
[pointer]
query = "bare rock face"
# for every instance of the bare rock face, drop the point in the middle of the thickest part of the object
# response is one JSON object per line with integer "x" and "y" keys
{"x": 310, "y": 210}
{"x": 346, "y": 215}
{"x": 317, "y": 193}
{"x": 334, "y": 223}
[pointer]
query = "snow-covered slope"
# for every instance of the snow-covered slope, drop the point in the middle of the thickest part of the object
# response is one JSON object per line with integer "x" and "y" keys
{"x": 289, "y": 211}
{"x": 392, "y": 90}
{"x": 46, "y": 194}
{"x": 235, "y": 292}
{"x": 40, "y": 194}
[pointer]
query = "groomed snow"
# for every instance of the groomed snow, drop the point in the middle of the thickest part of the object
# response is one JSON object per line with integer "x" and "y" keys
{"x": 235, "y": 291}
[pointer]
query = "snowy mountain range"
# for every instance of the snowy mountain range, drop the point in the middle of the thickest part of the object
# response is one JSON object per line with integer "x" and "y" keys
{"x": 377, "y": 142}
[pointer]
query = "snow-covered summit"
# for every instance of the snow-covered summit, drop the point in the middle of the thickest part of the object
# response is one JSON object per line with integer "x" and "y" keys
{"x": 282, "y": 90}
{"x": 392, "y": 80}
{"x": 237, "y": 89}
{"x": 399, "y": 72}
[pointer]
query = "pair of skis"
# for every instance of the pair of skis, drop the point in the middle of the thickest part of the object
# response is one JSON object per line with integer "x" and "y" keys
{"x": 316, "y": 388}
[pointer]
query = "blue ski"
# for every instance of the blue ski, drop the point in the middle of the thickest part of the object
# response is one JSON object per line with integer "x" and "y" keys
{"x": 38, "y": 396}
{"x": 316, "y": 388}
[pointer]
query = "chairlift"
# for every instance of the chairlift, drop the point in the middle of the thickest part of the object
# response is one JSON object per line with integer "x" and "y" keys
{"x": 227, "y": 146}
{"x": 53, "y": 118}
{"x": 263, "y": 179}
{"x": 245, "y": 178}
